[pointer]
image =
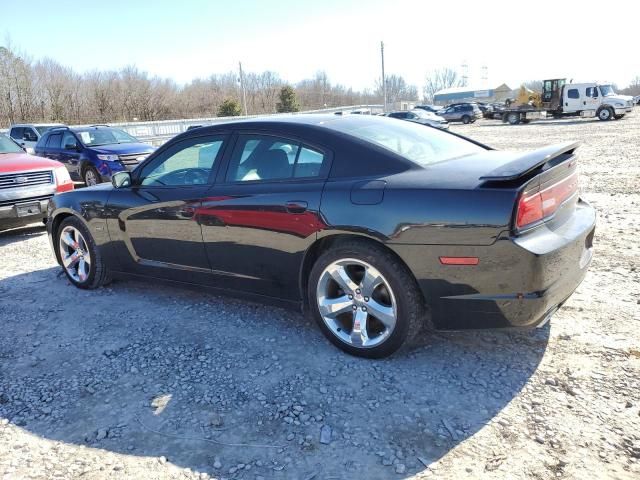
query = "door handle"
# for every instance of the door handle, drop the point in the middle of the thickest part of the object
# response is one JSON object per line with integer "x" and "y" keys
{"x": 296, "y": 206}
{"x": 187, "y": 212}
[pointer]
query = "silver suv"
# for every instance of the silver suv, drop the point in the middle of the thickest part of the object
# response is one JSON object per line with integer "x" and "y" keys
{"x": 28, "y": 134}
{"x": 462, "y": 112}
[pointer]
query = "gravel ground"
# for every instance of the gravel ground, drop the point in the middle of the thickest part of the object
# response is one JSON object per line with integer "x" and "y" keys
{"x": 141, "y": 381}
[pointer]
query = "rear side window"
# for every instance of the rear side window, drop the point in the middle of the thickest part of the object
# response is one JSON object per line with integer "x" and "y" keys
{"x": 573, "y": 93}
{"x": 309, "y": 163}
{"x": 54, "y": 140}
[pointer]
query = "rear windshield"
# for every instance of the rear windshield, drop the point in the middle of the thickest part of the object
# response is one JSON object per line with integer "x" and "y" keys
{"x": 419, "y": 143}
{"x": 8, "y": 146}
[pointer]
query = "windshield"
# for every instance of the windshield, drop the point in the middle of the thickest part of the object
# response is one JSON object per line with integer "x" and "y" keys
{"x": 43, "y": 128}
{"x": 607, "y": 90}
{"x": 411, "y": 140}
{"x": 8, "y": 146}
{"x": 93, "y": 137}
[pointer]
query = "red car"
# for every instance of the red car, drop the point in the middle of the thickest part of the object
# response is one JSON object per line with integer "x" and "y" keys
{"x": 27, "y": 183}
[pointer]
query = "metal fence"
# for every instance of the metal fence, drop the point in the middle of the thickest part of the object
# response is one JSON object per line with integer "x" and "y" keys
{"x": 158, "y": 132}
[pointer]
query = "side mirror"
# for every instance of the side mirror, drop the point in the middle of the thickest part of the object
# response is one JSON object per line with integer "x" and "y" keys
{"x": 121, "y": 180}
{"x": 71, "y": 146}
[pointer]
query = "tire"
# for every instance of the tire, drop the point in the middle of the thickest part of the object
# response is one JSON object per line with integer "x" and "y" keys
{"x": 466, "y": 119}
{"x": 395, "y": 295}
{"x": 90, "y": 176}
{"x": 87, "y": 269}
{"x": 605, "y": 113}
{"x": 513, "y": 118}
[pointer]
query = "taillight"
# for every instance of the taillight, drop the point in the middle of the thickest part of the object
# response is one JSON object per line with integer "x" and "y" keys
{"x": 536, "y": 207}
{"x": 63, "y": 180}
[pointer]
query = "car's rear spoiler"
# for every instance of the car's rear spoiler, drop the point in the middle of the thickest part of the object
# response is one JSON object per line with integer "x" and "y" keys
{"x": 525, "y": 163}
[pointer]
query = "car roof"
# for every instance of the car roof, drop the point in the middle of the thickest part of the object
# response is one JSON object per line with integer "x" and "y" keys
{"x": 38, "y": 125}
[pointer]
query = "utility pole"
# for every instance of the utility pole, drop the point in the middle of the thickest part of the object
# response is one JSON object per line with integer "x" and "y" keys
{"x": 384, "y": 82}
{"x": 244, "y": 93}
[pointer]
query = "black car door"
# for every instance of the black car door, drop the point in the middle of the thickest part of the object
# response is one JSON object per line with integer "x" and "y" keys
{"x": 263, "y": 213}
{"x": 70, "y": 153}
{"x": 153, "y": 224}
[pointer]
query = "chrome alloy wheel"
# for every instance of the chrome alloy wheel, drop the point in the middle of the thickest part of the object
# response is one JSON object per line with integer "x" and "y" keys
{"x": 90, "y": 178}
{"x": 356, "y": 303}
{"x": 74, "y": 254}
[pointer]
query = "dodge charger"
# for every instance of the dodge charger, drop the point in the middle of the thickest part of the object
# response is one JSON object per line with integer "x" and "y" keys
{"x": 377, "y": 228}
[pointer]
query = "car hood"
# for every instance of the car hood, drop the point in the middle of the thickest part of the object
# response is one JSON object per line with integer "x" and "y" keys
{"x": 20, "y": 162}
{"x": 124, "y": 148}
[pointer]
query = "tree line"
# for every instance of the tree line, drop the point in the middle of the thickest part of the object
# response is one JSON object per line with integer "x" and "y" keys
{"x": 47, "y": 91}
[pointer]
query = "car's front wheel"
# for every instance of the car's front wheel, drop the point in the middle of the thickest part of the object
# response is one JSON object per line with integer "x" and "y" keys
{"x": 79, "y": 255}
{"x": 605, "y": 113}
{"x": 91, "y": 176}
{"x": 364, "y": 300}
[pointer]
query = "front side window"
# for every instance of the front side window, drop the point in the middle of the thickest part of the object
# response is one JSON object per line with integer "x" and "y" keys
{"x": 69, "y": 141}
{"x": 258, "y": 157}
{"x": 573, "y": 93}
{"x": 186, "y": 163}
{"x": 592, "y": 92}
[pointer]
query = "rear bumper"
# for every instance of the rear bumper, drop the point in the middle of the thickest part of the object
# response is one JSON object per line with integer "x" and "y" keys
{"x": 518, "y": 281}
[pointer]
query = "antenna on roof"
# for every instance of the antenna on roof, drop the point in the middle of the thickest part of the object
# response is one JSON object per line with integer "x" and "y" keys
{"x": 465, "y": 73}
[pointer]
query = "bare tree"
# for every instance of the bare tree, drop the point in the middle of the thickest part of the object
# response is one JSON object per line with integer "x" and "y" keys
{"x": 437, "y": 80}
{"x": 45, "y": 90}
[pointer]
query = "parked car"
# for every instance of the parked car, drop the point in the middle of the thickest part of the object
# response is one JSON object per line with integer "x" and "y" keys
{"x": 430, "y": 108}
{"x": 421, "y": 116}
{"x": 27, "y": 183}
{"x": 93, "y": 154}
{"x": 376, "y": 227}
{"x": 497, "y": 109}
{"x": 28, "y": 134}
{"x": 462, "y": 112}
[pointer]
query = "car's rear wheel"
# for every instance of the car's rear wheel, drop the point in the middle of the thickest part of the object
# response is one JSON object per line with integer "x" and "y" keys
{"x": 364, "y": 300}
{"x": 79, "y": 255}
{"x": 91, "y": 176}
{"x": 466, "y": 119}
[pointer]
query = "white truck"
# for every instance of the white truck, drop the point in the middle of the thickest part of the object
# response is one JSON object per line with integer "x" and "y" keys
{"x": 560, "y": 99}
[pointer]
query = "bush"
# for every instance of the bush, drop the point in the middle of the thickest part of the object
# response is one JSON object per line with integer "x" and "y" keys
{"x": 229, "y": 108}
{"x": 288, "y": 101}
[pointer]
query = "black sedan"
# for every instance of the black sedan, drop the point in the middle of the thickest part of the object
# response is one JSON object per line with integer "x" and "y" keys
{"x": 376, "y": 227}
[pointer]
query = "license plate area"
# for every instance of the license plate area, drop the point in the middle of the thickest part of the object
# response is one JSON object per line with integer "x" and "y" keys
{"x": 27, "y": 209}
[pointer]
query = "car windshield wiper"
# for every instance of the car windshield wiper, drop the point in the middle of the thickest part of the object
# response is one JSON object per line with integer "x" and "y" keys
{"x": 100, "y": 144}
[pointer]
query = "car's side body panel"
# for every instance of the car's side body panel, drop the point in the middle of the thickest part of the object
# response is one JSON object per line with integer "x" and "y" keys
{"x": 254, "y": 237}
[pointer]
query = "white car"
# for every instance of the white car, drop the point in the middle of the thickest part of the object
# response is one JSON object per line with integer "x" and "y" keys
{"x": 28, "y": 134}
{"x": 421, "y": 116}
